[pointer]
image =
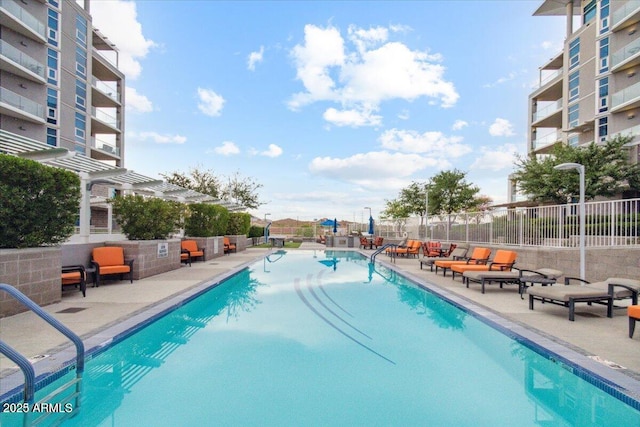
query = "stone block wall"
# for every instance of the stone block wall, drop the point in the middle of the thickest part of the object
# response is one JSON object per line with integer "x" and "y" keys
{"x": 214, "y": 246}
{"x": 33, "y": 271}
{"x": 240, "y": 241}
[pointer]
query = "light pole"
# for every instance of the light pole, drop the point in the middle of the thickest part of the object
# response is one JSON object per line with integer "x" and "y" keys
{"x": 426, "y": 211}
{"x": 580, "y": 168}
{"x": 370, "y": 218}
{"x": 266, "y": 228}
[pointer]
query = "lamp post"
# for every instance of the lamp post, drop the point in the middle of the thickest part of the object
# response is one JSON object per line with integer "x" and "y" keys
{"x": 426, "y": 211}
{"x": 580, "y": 168}
{"x": 370, "y": 217}
{"x": 266, "y": 228}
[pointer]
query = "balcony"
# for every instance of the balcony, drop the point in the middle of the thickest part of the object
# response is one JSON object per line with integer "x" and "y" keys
{"x": 104, "y": 150}
{"x": 627, "y": 57}
{"x": 20, "y": 64}
{"x": 626, "y": 99}
{"x": 104, "y": 120}
{"x": 20, "y": 107}
{"x": 549, "y": 116}
{"x": 627, "y": 15}
{"x": 546, "y": 140}
{"x": 104, "y": 94}
{"x": 19, "y": 20}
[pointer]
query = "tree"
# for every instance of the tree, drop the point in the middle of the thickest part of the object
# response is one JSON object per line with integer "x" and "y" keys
{"x": 202, "y": 181}
{"x": 449, "y": 192}
{"x": 608, "y": 172}
{"x": 242, "y": 191}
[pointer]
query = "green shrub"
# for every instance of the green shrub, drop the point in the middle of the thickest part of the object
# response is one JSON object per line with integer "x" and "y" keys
{"x": 255, "y": 232}
{"x": 239, "y": 223}
{"x": 206, "y": 220}
{"x": 39, "y": 205}
{"x": 147, "y": 218}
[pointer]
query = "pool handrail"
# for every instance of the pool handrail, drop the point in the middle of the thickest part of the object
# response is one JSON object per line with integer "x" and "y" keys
{"x": 372, "y": 259}
{"x": 22, "y": 361}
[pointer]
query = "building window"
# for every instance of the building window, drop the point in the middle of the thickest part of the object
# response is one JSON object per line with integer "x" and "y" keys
{"x": 603, "y": 95}
{"x": 573, "y": 139}
{"x": 81, "y": 62}
{"x": 52, "y": 23}
{"x": 52, "y": 66}
{"x": 574, "y": 53}
{"x": 574, "y": 115}
{"x": 604, "y": 55}
{"x": 589, "y": 11}
{"x": 603, "y": 130}
{"x": 81, "y": 95}
{"x": 52, "y": 137}
{"x": 574, "y": 86}
{"x": 81, "y": 31}
{"x": 81, "y": 128}
{"x": 604, "y": 16}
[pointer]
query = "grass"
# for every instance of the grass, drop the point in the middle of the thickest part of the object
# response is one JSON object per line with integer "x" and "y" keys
{"x": 290, "y": 245}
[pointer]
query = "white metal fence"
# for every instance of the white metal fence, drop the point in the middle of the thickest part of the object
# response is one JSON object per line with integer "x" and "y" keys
{"x": 608, "y": 223}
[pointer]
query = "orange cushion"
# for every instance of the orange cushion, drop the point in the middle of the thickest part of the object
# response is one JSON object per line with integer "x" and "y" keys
{"x": 184, "y": 256}
{"x": 108, "y": 255}
{"x": 190, "y": 245}
{"x": 71, "y": 278}
{"x": 114, "y": 269}
{"x": 634, "y": 311}
{"x": 197, "y": 253}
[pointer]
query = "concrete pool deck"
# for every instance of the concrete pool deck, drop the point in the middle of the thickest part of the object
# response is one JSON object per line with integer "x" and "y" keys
{"x": 593, "y": 334}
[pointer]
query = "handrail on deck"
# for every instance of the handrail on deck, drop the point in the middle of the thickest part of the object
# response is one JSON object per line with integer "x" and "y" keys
{"x": 372, "y": 259}
{"x": 20, "y": 360}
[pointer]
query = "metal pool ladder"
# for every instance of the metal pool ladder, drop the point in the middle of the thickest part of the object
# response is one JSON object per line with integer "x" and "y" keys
{"x": 29, "y": 372}
{"x": 387, "y": 245}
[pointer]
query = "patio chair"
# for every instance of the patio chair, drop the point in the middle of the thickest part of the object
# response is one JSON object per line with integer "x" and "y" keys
{"x": 432, "y": 249}
{"x": 502, "y": 261}
{"x": 228, "y": 246}
{"x": 74, "y": 275}
{"x": 568, "y": 295}
{"x": 478, "y": 256}
{"x": 413, "y": 248}
{"x": 377, "y": 242}
{"x": 633, "y": 311}
{"x": 185, "y": 257}
{"x": 110, "y": 260}
{"x": 457, "y": 254}
{"x": 365, "y": 243}
{"x": 191, "y": 246}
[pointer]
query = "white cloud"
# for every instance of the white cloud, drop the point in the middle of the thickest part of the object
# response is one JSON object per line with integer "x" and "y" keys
{"x": 404, "y": 115}
{"x": 137, "y": 102}
{"x": 501, "y": 127}
{"x": 118, "y": 20}
{"x": 459, "y": 124}
{"x": 210, "y": 102}
{"x": 254, "y": 58}
{"x": 228, "y": 148}
{"x": 495, "y": 159}
{"x": 432, "y": 143}
{"x": 273, "y": 151}
{"x": 501, "y": 80}
{"x": 159, "y": 138}
{"x": 354, "y": 118}
{"x": 375, "y": 70}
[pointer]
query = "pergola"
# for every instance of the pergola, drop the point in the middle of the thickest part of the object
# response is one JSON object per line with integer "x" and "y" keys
{"x": 94, "y": 172}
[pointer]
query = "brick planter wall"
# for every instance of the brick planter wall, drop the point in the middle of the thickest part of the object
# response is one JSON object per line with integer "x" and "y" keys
{"x": 145, "y": 253}
{"x": 33, "y": 271}
{"x": 240, "y": 240}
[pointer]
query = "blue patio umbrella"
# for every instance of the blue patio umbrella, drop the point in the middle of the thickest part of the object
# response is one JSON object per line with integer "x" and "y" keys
{"x": 335, "y": 225}
{"x": 327, "y": 223}
{"x": 371, "y": 225}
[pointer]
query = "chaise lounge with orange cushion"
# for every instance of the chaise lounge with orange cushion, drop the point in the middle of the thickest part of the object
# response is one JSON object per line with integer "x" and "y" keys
{"x": 228, "y": 246}
{"x": 191, "y": 246}
{"x": 109, "y": 260}
{"x": 478, "y": 256}
{"x": 413, "y": 248}
{"x": 502, "y": 261}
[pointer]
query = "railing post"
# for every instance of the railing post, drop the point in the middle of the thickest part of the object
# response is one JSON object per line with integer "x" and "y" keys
{"x": 612, "y": 223}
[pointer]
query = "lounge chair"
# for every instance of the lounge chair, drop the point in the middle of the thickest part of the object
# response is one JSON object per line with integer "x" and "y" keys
{"x": 457, "y": 254}
{"x": 377, "y": 242}
{"x": 618, "y": 287}
{"x": 185, "y": 257}
{"x": 191, "y": 246}
{"x": 74, "y": 275}
{"x": 365, "y": 243}
{"x": 517, "y": 276}
{"x": 478, "y": 256}
{"x": 569, "y": 295}
{"x": 502, "y": 261}
{"x": 228, "y": 246}
{"x": 413, "y": 249}
{"x": 633, "y": 311}
{"x": 393, "y": 250}
{"x": 432, "y": 249}
{"x": 109, "y": 260}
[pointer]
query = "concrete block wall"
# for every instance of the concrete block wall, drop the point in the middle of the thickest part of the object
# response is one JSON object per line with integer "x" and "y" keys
{"x": 214, "y": 246}
{"x": 240, "y": 241}
{"x": 33, "y": 271}
{"x": 145, "y": 253}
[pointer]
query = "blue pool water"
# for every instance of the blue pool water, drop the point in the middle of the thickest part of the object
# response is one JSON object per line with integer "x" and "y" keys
{"x": 323, "y": 338}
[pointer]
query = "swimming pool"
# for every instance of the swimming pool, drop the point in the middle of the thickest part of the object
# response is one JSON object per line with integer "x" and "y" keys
{"x": 325, "y": 338}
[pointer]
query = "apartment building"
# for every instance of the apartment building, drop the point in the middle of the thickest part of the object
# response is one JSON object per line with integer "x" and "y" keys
{"x": 59, "y": 79}
{"x": 590, "y": 91}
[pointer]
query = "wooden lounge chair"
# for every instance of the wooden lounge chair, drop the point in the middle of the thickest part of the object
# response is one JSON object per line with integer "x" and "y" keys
{"x": 228, "y": 246}
{"x": 191, "y": 246}
{"x": 459, "y": 253}
{"x": 502, "y": 261}
{"x": 478, "y": 256}
{"x": 75, "y": 275}
{"x": 569, "y": 295}
{"x": 109, "y": 260}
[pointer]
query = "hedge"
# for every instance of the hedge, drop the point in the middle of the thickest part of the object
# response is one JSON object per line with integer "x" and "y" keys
{"x": 206, "y": 220}
{"x": 147, "y": 218}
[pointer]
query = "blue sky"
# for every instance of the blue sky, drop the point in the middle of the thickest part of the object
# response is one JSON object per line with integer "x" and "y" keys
{"x": 331, "y": 106}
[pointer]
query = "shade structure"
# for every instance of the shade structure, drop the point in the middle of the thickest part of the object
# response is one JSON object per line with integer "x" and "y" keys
{"x": 371, "y": 225}
{"x": 327, "y": 223}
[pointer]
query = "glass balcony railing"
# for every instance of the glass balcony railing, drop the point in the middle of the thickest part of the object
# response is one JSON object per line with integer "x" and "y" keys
{"x": 21, "y": 58}
{"x": 23, "y": 16}
{"x": 547, "y": 110}
{"x": 625, "y": 53}
{"x": 548, "y": 139}
{"x": 106, "y": 116}
{"x": 21, "y": 103}
{"x": 547, "y": 77}
{"x": 108, "y": 88}
{"x": 106, "y": 147}
{"x": 108, "y": 55}
{"x": 626, "y": 10}
{"x": 625, "y": 96}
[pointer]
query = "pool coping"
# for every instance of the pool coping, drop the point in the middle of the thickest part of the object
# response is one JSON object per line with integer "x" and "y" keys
{"x": 619, "y": 385}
